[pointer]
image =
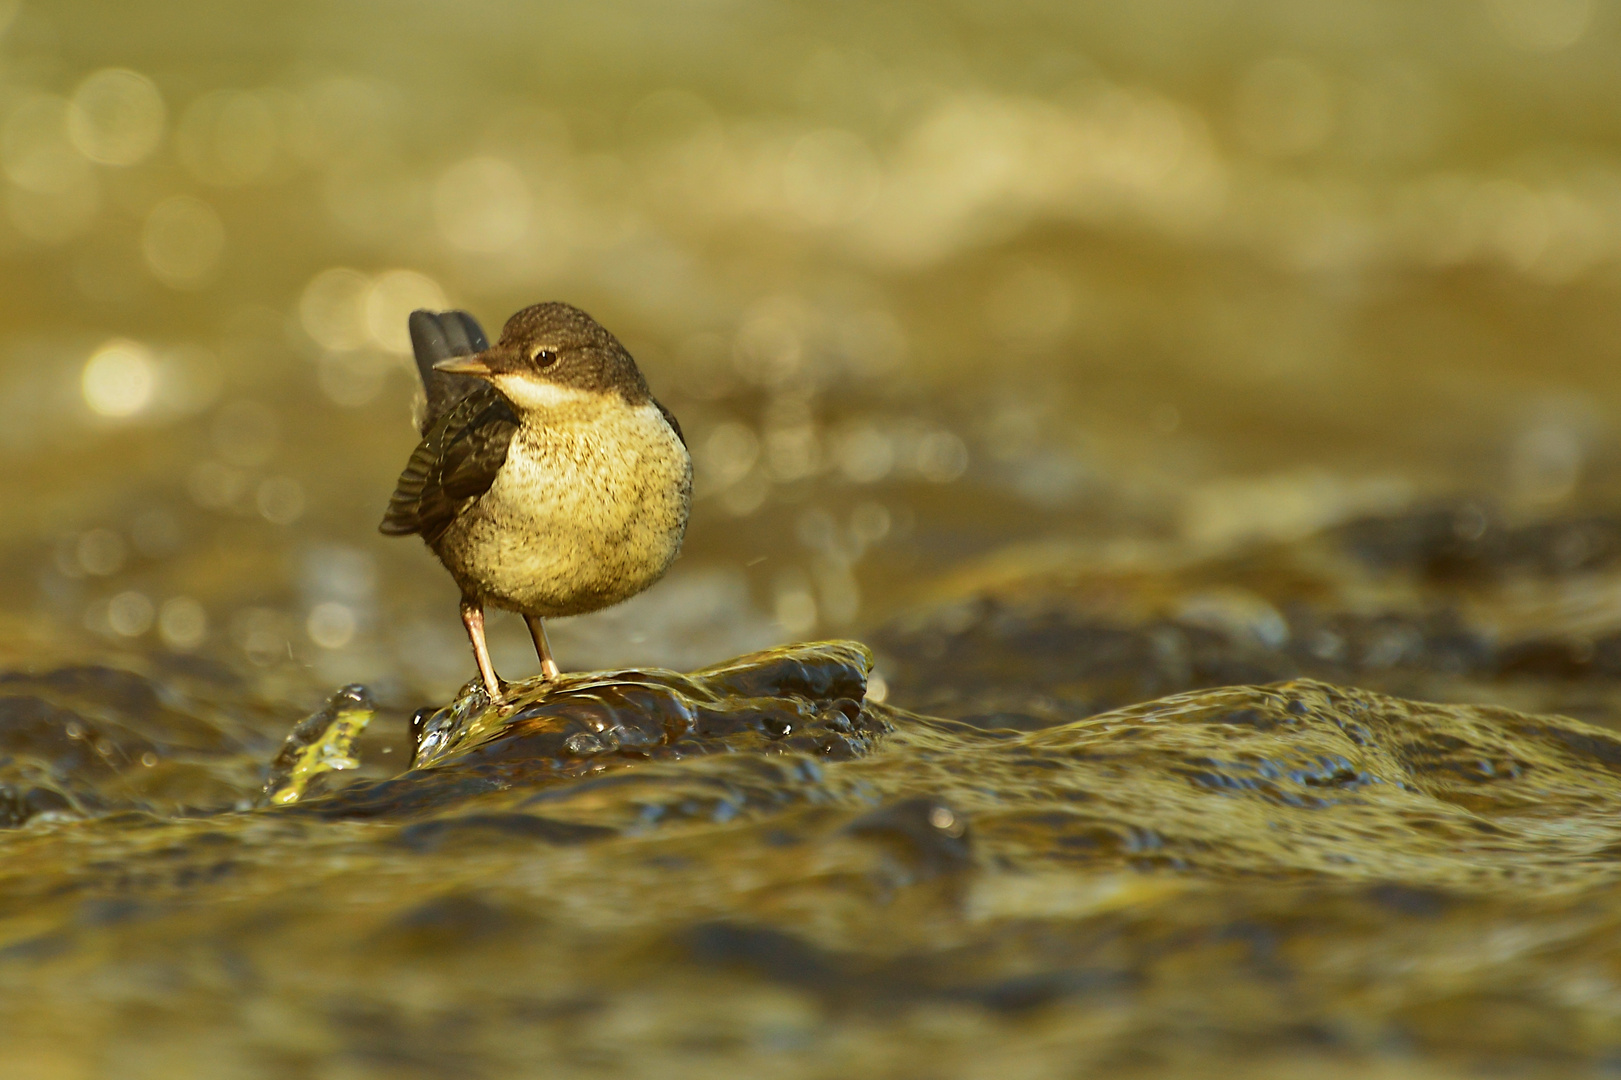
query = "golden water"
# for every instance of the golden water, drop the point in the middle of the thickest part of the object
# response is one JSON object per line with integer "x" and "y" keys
{"x": 1070, "y": 357}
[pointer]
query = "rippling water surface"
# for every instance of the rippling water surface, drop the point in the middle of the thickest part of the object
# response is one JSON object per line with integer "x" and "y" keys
{"x": 1204, "y": 417}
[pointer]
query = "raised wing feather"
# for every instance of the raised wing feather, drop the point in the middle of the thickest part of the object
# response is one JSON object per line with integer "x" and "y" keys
{"x": 456, "y": 461}
{"x": 440, "y": 336}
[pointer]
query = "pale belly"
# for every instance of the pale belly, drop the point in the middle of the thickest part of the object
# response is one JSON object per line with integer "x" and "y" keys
{"x": 580, "y": 517}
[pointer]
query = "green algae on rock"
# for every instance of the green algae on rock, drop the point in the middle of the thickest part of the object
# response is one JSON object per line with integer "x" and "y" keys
{"x": 318, "y": 745}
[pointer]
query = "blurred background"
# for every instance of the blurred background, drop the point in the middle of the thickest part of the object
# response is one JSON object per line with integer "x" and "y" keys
{"x": 921, "y": 280}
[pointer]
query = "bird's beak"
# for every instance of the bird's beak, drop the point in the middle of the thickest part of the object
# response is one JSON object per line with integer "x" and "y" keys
{"x": 465, "y": 365}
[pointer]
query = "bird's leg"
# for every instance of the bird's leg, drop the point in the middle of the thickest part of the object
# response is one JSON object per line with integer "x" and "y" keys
{"x": 473, "y": 619}
{"x": 543, "y": 648}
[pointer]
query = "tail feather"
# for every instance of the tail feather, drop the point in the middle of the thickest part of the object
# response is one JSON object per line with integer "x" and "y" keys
{"x": 440, "y": 336}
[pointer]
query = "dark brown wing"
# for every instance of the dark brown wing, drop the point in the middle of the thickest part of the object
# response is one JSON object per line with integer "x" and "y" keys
{"x": 456, "y": 461}
{"x": 436, "y": 337}
{"x": 669, "y": 418}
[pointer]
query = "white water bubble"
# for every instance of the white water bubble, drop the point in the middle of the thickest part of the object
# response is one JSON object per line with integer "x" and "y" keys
{"x": 261, "y": 634}
{"x": 119, "y": 379}
{"x": 116, "y": 117}
{"x": 280, "y": 500}
{"x": 747, "y": 495}
{"x": 770, "y": 344}
{"x": 130, "y": 614}
{"x": 183, "y": 242}
{"x": 727, "y": 454}
{"x": 838, "y": 593}
{"x": 1546, "y": 462}
{"x": 331, "y": 625}
{"x": 182, "y": 623}
{"x": 793, "y": 452}
{"x": 865, "y": 454}
{"x": 100, "y": 552}
{"x": 215, "y": 486}
{"x": 877, "y": 688}
{"x": 338, "y": 572}
{"x": 794, "y": 605}
{"x": 941, "y": 457}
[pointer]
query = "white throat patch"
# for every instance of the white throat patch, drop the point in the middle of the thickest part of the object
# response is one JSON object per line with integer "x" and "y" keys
{"x": 537, "y": 394}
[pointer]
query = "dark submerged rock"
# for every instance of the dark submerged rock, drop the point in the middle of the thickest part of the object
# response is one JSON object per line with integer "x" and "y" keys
{"x": 1449, "y": 602}
{"x": 799, "y": 700}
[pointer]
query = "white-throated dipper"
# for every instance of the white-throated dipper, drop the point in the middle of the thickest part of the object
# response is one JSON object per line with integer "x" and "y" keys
{"x": 548, "y": 480}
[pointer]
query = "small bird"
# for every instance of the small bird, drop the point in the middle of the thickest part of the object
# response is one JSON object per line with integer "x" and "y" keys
{"x": 548, "y": 480}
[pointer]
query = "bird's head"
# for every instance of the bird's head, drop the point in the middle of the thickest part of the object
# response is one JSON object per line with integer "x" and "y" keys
{"x": 552, "y": 355}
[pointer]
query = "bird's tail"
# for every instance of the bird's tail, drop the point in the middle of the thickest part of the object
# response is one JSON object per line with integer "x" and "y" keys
{"x": 436, "y": 337}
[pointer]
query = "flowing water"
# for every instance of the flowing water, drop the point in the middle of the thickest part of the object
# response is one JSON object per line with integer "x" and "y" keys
{"x": 1153, "y": 597}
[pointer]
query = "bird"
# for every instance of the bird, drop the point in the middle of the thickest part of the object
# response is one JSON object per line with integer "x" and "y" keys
{"x": 548, "y": 479}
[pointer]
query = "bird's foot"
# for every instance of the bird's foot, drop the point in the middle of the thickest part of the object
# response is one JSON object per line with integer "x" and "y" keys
{"x": 497, "y": 696}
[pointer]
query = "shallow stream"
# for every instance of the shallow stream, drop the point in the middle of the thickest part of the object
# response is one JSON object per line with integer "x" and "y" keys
{"x": 1153, "y": 599}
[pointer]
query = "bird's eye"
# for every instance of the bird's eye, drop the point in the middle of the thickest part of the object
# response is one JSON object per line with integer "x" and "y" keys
{"x": 544, "y": 357}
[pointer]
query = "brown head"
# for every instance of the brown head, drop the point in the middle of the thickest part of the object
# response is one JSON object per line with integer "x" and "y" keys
{"x": 550, "y": 354}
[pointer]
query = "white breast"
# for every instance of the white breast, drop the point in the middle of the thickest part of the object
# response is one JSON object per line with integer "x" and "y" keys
{"x": 588, "y": 510}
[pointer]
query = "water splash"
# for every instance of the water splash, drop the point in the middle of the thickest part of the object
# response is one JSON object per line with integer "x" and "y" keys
{"x": 321, "y": 744}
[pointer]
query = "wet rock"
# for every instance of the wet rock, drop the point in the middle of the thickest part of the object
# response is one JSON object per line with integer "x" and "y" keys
{"x": 1471, "y": 540}
{"x": 1449, "y": 602}
{"x": 799, "y": 700}
{"x": 804, "y": 698}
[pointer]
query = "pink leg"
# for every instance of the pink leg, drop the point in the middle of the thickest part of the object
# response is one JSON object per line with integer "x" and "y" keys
{"x": 543, "y": 648}
{"x": 473, "y": 619}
